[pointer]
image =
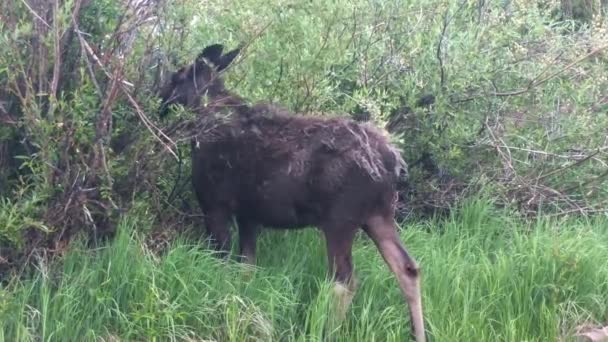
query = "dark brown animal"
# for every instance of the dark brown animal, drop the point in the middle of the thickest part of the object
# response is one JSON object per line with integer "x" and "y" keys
{"x": 271, "y": 168}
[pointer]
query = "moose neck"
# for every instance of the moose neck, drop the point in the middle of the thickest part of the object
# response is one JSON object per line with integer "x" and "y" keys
{"x": 220, "y": 99}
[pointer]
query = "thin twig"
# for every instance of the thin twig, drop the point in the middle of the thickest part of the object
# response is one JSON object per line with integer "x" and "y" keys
{"x": 35, "y": 14}
{"x": 149, "y": 125}
{"x": 564, "y": 168}
{"x": 555, "y": 155}
{"x": 83, "y": 49}
{"x": 599, "y": 178}
{"x": 57, "y": 65}
{"x": 97, "y": 60}
{"x": 446, "y": 22}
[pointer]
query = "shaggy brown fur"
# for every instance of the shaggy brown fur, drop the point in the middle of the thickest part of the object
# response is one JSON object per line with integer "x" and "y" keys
{"x": 271, "y": 168}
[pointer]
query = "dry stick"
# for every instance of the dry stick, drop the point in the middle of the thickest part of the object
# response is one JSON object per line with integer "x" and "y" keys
{"x": 83, "y": 50}
{"x": 57, "y": 65}
{"x": 569, "y": 66}
{"x": 89, "y": 65}
{"x": 599, "y": 178}
{"x": 149, "y": 124}
{"x": 564, "y": 168}
{"x": 498, "y": 148}
{"x": 555, "y": 155}
{"x": 535, "y": 83}
{"x": 97, "y": 60}
{"x": 351, "y": 41}
{"x": 35, "y": 14}
{"x": 545, "y": 69}
{"x": 587, "y": 211}
{"x": 112, "y": 93}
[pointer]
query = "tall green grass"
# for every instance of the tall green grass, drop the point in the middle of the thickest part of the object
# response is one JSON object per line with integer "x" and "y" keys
{"x": 486, "y": 277}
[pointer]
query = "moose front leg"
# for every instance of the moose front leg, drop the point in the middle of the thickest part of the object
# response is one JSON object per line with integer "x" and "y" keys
{"x": 383, "y": 232}
{"x": 248, "y": 231}
{"x": 218, "y": 229}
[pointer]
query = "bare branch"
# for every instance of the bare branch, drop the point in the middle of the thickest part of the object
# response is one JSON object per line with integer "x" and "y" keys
{"x": 35, "y": 14}
{"x": 149, "y": 125}
{"x": 90, "y": 51}
{"x": 57, "y": 64}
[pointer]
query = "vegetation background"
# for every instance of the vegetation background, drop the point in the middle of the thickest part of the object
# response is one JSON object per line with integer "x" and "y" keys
{"x": 500, "y": 108}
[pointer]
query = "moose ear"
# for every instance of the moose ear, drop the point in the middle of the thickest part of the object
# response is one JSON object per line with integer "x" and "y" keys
{"x": 212, "y": 53}
{"x": 227, "y": 59}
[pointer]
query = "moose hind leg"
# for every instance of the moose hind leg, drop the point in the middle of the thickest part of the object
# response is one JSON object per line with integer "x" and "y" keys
{"x": 339, "y": 254}
{"x": 383, "y": 232}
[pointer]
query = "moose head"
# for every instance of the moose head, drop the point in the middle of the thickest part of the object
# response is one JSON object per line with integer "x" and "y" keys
{"x": 190, "y": 83}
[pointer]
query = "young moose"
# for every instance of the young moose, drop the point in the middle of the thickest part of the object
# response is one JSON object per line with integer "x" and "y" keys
{"x": 275, "y": 169}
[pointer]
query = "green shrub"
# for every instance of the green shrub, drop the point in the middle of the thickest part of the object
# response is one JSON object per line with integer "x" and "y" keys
{"x": 17, "y": 216}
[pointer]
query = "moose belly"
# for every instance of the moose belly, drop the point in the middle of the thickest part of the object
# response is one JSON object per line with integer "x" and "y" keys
{"x": 281, "y": 201}
{"x": 277, "y": 214}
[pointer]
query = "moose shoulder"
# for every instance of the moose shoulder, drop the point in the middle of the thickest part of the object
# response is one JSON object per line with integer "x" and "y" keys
{"x": 271, "y": 168}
